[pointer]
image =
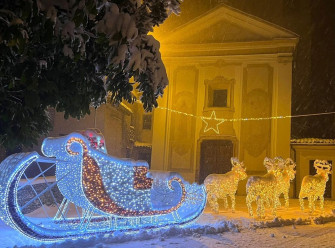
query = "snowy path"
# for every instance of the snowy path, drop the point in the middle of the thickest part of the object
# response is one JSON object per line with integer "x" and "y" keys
{"x": 302, "y": 236}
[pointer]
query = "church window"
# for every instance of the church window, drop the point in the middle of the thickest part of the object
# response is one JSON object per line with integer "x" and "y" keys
{"x": 147, "y": 122}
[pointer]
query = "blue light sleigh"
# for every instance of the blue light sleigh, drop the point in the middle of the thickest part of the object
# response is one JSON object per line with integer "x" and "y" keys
{"x": 91, "y": 192}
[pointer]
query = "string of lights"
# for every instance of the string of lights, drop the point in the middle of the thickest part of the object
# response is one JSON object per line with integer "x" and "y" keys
{"x": 244, "y": 119}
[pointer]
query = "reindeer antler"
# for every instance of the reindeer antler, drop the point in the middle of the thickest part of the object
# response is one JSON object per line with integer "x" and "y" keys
{"x": 234, "y": 161}
{"x": 290, "y": 162}
{"x": 279, "y": 162}
{"x": 242, "y": 165}
{"x": 322, "y": 165}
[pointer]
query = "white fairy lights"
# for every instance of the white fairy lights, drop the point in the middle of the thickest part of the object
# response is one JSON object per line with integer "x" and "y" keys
{"x": 243, "y": 119}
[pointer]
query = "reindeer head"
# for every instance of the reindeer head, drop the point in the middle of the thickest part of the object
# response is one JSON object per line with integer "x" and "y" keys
{"x": 274, "y": 166}
{"x": 238, "y": 168}
{"x": 279, "y": 162}
{"x": 323, "y": 167}
{"x": 290, "y": 168}
{"x": 269, "y": 164}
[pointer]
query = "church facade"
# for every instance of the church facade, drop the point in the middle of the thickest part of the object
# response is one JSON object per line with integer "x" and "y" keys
{"x": 224, "y": 65}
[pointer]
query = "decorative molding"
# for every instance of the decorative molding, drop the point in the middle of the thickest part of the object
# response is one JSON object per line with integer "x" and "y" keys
{"x": 220, "y": 82}
{"x": 225, "y": 14}
{"x": 220, "y": 63}
{"x": 229, "y": 48}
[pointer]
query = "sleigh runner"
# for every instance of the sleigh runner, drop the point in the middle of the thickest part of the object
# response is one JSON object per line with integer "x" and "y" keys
{"x": 97, "y": 193}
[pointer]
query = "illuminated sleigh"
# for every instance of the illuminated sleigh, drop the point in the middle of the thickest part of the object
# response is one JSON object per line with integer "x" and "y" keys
{"x": 92, "y": 192}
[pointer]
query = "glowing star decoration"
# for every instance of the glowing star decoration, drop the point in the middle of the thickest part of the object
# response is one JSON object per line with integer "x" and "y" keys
{"x": 212, "y": 123}
{"x": 220, "y": 186}
{"x": 263, "y": 189}
{"x": 313, "y": 187}
{"x": 100, "y": 193}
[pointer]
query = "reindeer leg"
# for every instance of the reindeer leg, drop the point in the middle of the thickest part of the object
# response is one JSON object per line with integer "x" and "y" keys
{"x": 225, "y": 202}
{"x": 301, "y": 201}
{"x": 260, "y": 207}
{"x": 275, "y": 205}
{"x": 232, "y": 197}
{"x": 248, "y": 201}
{"x": 314, "y": 200}
{"x": 322, "y": 200}
{"x": 277, "y": 200}
{"x": 311, "y": 203}
{"x": 286, "y": 199}
{"x": 267, "y": 201}
{"x": 213, "y": 203}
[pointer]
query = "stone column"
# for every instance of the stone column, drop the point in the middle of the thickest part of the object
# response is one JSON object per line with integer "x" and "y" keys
{"x": 281, "y": 103}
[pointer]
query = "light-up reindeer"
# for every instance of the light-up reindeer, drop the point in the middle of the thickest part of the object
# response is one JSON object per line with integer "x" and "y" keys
{"x": 288, "y": 174}
{"x": 262, "y": 189}
{"x": 313, "y": 187}
{"x": 219, "y": 186}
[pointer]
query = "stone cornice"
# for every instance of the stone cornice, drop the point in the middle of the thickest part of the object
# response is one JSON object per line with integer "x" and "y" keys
{"x": 312, "y": 141}
{"x": 227, "y": 14}
{"x": 232, "y": 48}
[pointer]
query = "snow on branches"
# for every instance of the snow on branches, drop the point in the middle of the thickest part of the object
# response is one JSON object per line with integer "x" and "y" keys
{"x": 125, "y": 25}
{"x": 73, "y": 54}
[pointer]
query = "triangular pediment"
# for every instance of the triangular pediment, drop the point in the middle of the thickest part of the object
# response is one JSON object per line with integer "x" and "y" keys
{"x": 225, "y": 25}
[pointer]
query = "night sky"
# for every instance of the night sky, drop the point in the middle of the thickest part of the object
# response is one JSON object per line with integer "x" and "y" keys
{"x": 313, "y": 89}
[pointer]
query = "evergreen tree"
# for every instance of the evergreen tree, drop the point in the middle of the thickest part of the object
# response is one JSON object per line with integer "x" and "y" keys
{"x": 70, "y": 54}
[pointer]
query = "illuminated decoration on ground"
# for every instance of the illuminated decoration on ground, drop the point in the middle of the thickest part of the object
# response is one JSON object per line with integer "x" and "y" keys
{"x": 263, "y": 189}
{"x": 101, "y": 193}
{"x": 313, "y": 187}
{"x": 288, "y": 174}
{"x": 212, "y": 123}
{"x": 220, "y": 186}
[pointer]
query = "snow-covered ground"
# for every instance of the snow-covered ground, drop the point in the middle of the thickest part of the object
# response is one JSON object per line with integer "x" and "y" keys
{"x": 292, "y": 228}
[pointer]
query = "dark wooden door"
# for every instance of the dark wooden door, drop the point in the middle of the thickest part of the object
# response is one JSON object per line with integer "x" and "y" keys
{"x": 145, "y": 154}
{"x": 215, "y": 157}
{"x": 312, "y": 171}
